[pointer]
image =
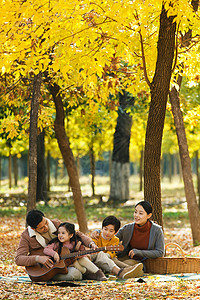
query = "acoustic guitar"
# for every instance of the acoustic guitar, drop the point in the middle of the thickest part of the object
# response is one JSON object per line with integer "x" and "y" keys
{"x": 41, "y": 273}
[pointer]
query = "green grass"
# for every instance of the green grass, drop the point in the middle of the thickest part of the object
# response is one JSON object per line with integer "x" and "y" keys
{"x": 61, "y": 205}
{"x": 96, "y": 213}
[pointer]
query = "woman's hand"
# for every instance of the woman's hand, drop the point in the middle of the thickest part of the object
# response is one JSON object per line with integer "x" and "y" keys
{"x": 56, "y": 257}
{"x": 131, "y": 254}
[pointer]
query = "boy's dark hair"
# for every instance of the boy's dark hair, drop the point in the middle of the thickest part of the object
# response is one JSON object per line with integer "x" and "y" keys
{"x": 112, "y": 220}
{"x": 34, "y": 217}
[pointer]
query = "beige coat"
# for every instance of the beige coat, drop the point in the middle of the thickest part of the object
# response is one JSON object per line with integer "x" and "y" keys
{"x": 32, "y": 244}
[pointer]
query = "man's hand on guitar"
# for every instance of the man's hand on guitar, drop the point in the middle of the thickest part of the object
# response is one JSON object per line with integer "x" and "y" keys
{"x": 46, "y": 261}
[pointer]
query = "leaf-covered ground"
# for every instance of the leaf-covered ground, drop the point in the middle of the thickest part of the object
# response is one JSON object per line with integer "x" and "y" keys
{"x": 10, "y": 230}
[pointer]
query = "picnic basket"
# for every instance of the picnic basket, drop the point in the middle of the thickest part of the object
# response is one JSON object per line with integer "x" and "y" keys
{"x": 173, "y": 265}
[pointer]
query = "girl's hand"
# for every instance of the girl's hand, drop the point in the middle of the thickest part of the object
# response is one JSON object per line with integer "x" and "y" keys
{"x": 56, "y": 257}
{"x": 131, "y": 254}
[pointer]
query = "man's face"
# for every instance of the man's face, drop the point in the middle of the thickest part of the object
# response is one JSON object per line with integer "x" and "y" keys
{"x": 43, "y": 226}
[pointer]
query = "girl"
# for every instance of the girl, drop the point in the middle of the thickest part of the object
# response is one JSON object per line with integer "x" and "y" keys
{"x": 67, "y": 238}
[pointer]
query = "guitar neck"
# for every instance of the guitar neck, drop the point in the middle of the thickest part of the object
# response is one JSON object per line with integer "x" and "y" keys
{"x": 84, "y": 252}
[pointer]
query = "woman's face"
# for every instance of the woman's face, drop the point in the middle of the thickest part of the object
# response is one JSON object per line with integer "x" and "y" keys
{"x": 140, "y": 215}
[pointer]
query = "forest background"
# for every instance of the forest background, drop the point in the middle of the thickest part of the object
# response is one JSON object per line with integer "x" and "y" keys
{"x": 84, "y": 81}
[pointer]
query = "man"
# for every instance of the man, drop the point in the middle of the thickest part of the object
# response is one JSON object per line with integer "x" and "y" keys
{"x": 34, "y": 239}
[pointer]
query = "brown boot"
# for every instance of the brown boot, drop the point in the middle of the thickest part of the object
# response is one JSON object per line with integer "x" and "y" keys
{"x": 99, "y": 275}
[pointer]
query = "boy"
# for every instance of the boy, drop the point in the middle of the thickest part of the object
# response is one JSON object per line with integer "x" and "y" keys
{"x": 110, "y": 226}
{"x": 106, "y": 237}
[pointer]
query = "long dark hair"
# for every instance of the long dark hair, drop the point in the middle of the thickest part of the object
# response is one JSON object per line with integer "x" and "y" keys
{"x": 70, "y": 228}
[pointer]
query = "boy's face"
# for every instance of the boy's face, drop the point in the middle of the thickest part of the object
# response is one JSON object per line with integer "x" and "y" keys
{"x": 108, "y": 231}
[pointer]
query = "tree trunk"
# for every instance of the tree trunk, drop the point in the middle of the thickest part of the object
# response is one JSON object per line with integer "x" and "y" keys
{"x": 170, "y": 168}
{"x": 68, "y": 157}
{"x": 78, "y": 165}
{"x": 141, "y": 168}
{"x": 175, "y": 165}
{"x": 41, "y": 193}
{"x": 120, "y": 169}
{"x": 156, "y": 117}
{"x": 198, "y": 177}
{"x": 56, "y": 172}
{"x": 193, "y": 209}
{"x": 0, "y": 168}
{"x": 32, "y": 184}
{"x": 92, "y": 168}
{"x": 15, "y": 166}
{"x": 48, "y": 171}
{"x": 10, "y": 168}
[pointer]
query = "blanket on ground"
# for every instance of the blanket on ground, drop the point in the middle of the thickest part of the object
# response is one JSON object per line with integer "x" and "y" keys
{"x": 145, "y": 278}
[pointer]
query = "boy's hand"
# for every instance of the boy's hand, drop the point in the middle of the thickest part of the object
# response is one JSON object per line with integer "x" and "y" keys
{"x": 95, "y": 235}
{"x": 56, "y": 257}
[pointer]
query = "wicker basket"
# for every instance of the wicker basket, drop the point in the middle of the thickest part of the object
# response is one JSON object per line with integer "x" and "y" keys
{"x": 173, "y": 265}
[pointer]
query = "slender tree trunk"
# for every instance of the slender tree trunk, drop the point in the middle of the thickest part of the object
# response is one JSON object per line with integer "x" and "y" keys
{"x": 78, "y": 165}
{"x": 192, "y": 204}
{"x": 156, "y": 117}
{"x": 0, "y": 168}
{"x": 56, "y": 171}
{"x": 180, "y": 169}
{"x": 141, "y": 168}
{"x": 170, "y": 168}
{"x": 68, "y": 157}
{"x": 120, "y": 172}
{"x": 48, "y": 171}
{"x": 41, "y": 169}
{"x": 32, "y": 184}
{"x": 92, "y": 168}
{"x": 15, "y": 166}
{"x": 198, "y": 177}
{"x": 193, "y": 210}
{"x": 10, "y": 168}
{"x": 175, "y": 165}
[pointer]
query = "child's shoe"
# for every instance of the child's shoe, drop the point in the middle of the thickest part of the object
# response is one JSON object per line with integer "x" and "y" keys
{"x": 131, "y": 272}
{"x": 99, "y": 275}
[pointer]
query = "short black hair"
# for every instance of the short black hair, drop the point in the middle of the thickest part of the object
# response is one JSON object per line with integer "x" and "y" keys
{"x": 34, "y": 217}
{"x": 112, "y": 220}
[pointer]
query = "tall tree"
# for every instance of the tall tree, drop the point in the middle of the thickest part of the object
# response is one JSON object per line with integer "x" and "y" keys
{"x": 193, "y": 209}
{"x": 154, "y": 131}
{"x": 41, "y": 193}
{"x": 120, "y": 167}
{"x": 32, "y": 184}
{"x": 68, "y": 157}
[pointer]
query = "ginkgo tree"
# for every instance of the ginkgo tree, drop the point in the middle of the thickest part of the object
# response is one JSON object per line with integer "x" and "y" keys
{"x": 81, "y": 44}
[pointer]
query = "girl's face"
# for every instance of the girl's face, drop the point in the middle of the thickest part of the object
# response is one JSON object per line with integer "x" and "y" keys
{"x": 64, "y": 235}
{"x": 140, "y": 215}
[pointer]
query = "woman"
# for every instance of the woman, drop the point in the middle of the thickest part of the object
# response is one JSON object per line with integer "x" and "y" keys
{"x": 141, "y": 239}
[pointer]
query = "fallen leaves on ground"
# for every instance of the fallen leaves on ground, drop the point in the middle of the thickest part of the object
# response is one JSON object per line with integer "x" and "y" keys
{"x": 10, "y": 230}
